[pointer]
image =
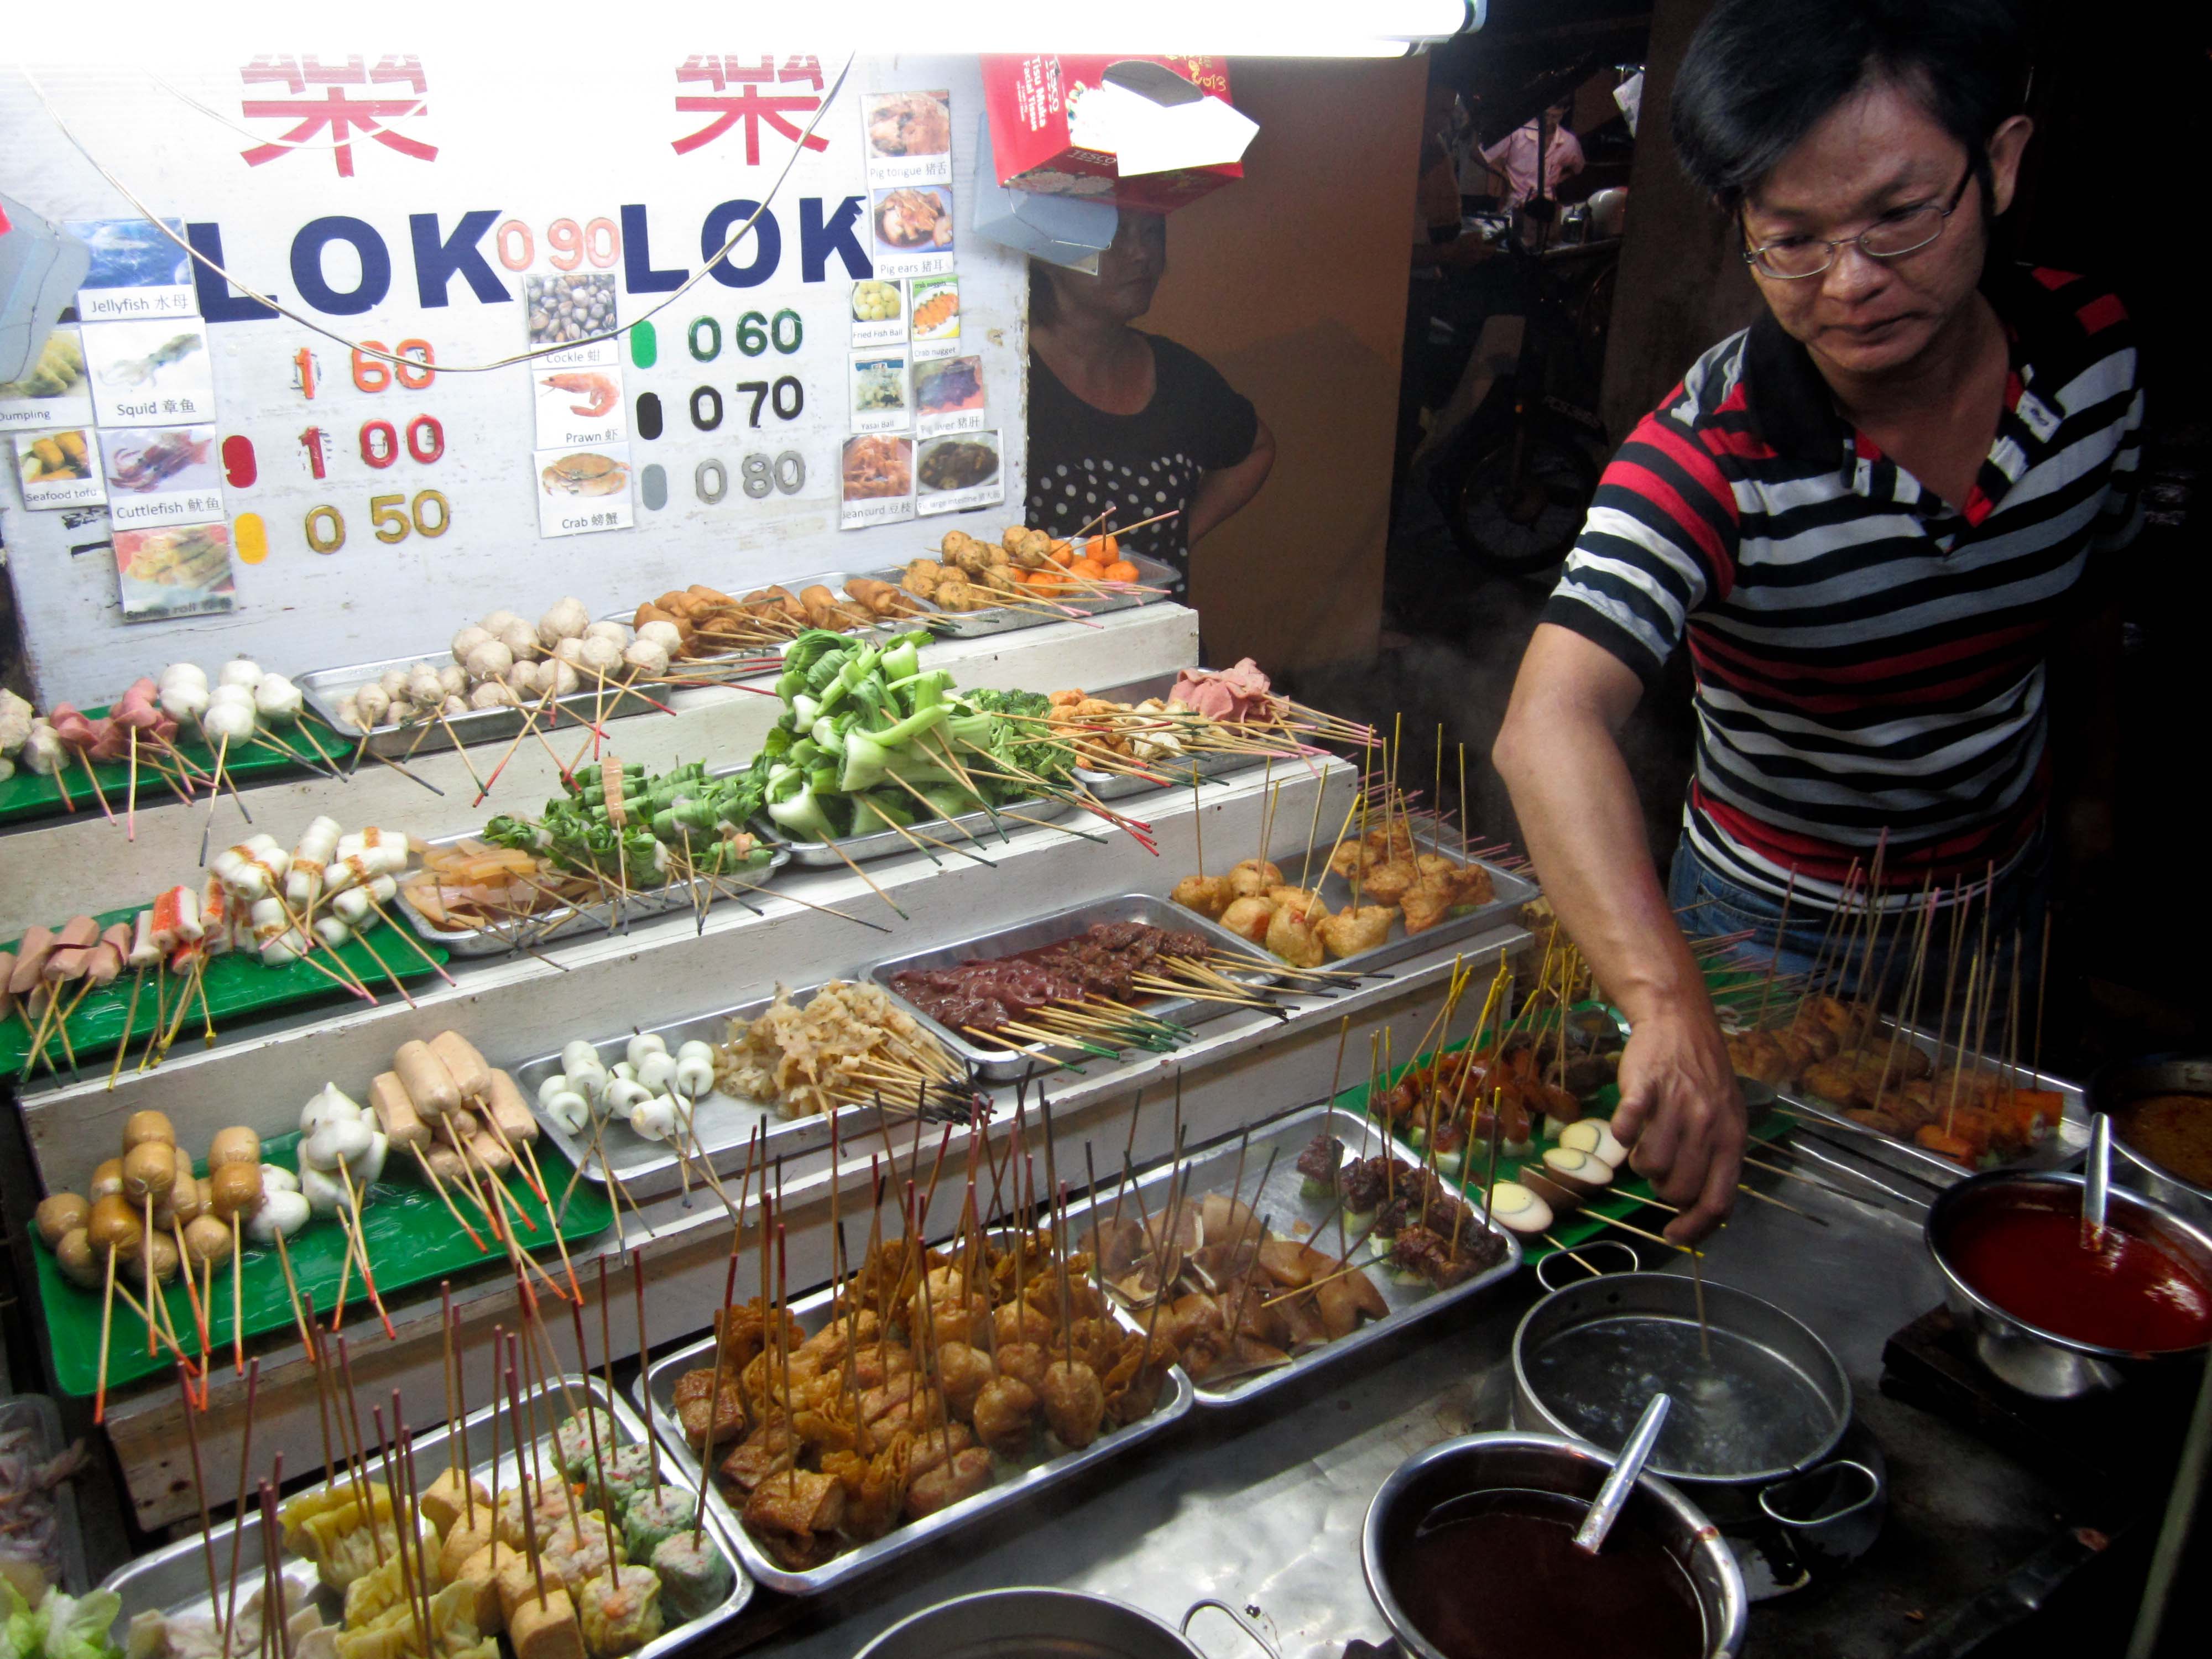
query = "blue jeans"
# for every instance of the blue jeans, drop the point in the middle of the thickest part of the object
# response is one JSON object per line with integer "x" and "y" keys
{"x": 2017, "y": 910}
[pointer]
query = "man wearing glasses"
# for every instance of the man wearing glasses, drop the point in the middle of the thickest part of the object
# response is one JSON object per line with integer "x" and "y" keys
{"x": 1872, "y": 517}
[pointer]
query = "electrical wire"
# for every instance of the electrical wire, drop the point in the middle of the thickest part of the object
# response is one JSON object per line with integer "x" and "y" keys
{"x": 362, "y": 347}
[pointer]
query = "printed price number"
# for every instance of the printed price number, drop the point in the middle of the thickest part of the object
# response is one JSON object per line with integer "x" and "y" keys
{"x": 375, "y": 375}
{"x": 785, "y": 396}
{"x": 394, "y": 517}
{"x": 761, "y": 476}
{"x": 755, "y": 332}
{"x": 380, "y": 442}
{"x": 596, "y": 242}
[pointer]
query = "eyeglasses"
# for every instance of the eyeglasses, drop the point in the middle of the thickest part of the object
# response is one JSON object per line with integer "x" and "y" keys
{"x": 1907, "y": 230}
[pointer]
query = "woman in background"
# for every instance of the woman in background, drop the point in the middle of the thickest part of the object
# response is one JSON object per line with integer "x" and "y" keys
{"x": 1126, "y": 420}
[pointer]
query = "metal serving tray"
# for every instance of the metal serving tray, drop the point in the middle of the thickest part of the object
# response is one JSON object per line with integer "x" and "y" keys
{"x": 999, "y": 619}
{"x": 1295, "y": 1217}
{"x": 174, "y": 1580}
{"x": 607, "y": 916}
{"x": 1510, "y": 892}
{"x": 2058, "y": 1150}
{"x": 970, "y": 829}
{"x": 1001, "y": 1065}
{"x": 655, "y": 1390}
{"x": 1179, "y": 773}
{"x": 324, "y": 688}
{"x": 720, "y": 1122}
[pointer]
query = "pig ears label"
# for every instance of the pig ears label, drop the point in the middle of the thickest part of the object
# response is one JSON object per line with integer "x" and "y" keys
{"x": 240, "y": 469}
{"x": 649, "y": 414}
{"x": 653, "y": 482}
{"x": 644, "y": 347}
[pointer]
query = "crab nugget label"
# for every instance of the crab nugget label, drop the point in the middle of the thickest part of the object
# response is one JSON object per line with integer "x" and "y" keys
{"x": 581, "y": 491}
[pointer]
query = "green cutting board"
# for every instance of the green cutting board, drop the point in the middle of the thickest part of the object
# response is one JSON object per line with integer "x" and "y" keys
{"x": 1583, "y": 1225}
{"x": 239, "y": 988}
{"x": 411, "y": 1236}
{"x": 28, "y": 796}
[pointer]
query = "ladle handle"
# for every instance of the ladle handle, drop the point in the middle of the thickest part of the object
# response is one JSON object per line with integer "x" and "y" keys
{"x": 2098, "y": 1181}
{"x": 1605, "y": 1509}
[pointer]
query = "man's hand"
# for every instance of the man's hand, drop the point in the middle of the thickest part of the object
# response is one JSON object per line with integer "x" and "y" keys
{"x": 1682, "y": 1117}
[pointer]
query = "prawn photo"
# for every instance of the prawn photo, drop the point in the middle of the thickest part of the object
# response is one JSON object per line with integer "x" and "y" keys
{"x": 598, "y": 392}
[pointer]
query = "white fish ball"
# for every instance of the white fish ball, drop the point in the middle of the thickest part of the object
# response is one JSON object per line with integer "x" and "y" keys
{"x": 468, "y": 640}
{"x": 491, "y": 694}
{"x": 666, "y": 635}
{"x": 653, "y": 1118}
{"x": 490, "y": 661}
{"x": 568, "y": 1109}
{"x": 454, "y": 679}
{"x": 570, "y": 651}
{"x": 601, "y": 655}
{"x": 566, "y": 620}
{"x": 283, "y": 1212}
{"x": 393, "y": 682}
{"x": 184, "y": 671}
{"x": 240, "y": 671}
{"x": 646, "y": 658}
{"x": 520, "y": 638}
{"x": 644, "y": 1043}
{"x": 374, "y": 702}
{"x": 522, "y": 679}
{"x": 695, "y": 1078}
{"x": 566, "y": 681}
{"x": 657, "y": 1071}
{"x": 608, "y": 630}
{"x": 276, "y": 1178}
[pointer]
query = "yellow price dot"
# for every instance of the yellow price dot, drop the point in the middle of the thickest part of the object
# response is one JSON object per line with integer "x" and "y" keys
{"x": 249, "y": 538}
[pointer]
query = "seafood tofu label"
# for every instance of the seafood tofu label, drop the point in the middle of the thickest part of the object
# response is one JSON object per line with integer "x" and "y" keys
{"x": 953, "y": 475}
{"x": 579, "y": 406}
{"x": 581, "y": 491}
{"x": 876, "y": 482}
{"x": 160, "y": 475}
{"x": 880, "y": 392}
{"x": 907, "y": 138}
{"x": 913, "y": 230}
{"x": 138, "y": 269}
{"x": 180, "y": 570}
{"x": 934, "y": 318}
{"x": 948, "y": 397}
{"x": 878, "y": 314}
{"x": 59, "y": 469}
{"x": 54, "y": 395}
{"x": 150, "y": 374}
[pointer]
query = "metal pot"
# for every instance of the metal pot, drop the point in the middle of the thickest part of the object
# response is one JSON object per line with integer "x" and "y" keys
{"x": 2112, "y": 1088}
{"x": 1026, "y": 1623}
{"x": 1545, "y": 1462}
{"x": 2035, "y": 1361}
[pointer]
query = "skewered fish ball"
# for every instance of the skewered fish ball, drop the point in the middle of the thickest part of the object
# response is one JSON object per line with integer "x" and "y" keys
{"x": 113, "y": 1223}
{"x": 489, "y": 660}
{"x": 234, "y": 1145}
{"x": 491, "y": 694}
{"x": 520, "y": 640}
{"x": 163, "y": 1250}
{"x": 468, "y": 640}
{"x": 141, "y": 1127}
{"x": 106, "y": 1179}
{"x": 149, "y": 1169}
{"x": 566, "y": 620}
{"x": 207, "y": 1241}
{"x": 74, "y": 1255}
{"x": 237, "y": 1190}
{"x": 62, "y": 1215}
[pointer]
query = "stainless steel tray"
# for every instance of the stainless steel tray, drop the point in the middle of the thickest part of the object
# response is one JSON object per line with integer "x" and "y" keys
{"x": 970, "y": 829}
{"x": 720, "y": 1122}
{"x": 174, "y": 1581}
{"x": 1510, "y": 892}
{"x": 322, "y": 687}
{"x": 1296, "y": 1217}
{"x": 608, "y": 916}
{"x": 1114, "y": 786}
{"x": 2058, "y": 1150}
{"x": 1002, "y": 1065}
{"x": 655, "y": 1390}
{"x": 978, "y": 625}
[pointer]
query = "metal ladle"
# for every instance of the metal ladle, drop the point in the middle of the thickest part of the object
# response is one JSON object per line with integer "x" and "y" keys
{"x": 1605, "y": 1509}
{"x": 2097, "y": 1182}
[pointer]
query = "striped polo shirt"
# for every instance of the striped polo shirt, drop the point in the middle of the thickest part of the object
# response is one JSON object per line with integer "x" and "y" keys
{"x": 1866, "y": 658}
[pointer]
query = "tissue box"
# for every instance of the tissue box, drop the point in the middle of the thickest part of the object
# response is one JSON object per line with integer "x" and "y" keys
{"x": 1037, "y": 131}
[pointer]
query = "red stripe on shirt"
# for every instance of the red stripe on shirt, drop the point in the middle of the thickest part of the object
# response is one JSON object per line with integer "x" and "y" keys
{"x": 1870, "y": 668}
{"x": 2053, "y": 279}
{"x": 1643, "y": 482}
{"x": 1956, "y": 858}
{"x": 2101, "y": 313}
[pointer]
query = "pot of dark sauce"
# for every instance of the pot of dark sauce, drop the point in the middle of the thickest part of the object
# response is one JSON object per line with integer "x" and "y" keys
{"x": 1470, "y": 1553}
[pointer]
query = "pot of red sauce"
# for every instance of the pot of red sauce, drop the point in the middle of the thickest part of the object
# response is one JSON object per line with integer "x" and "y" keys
{"x": 2051, "y": 1318}
{"x": 2161, "y": 1112}
{"x": 1469, "y": 1554}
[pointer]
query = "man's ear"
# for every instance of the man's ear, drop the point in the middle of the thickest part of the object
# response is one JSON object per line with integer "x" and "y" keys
{"x": 2006, "y": 146}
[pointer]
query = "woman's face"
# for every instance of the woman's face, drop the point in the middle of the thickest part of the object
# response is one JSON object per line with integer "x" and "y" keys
{"x": 1129, "y": 270}
{"x": 1878, "y": 153}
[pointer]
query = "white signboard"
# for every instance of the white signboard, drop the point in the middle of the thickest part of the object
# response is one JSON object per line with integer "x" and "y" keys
{"x": 452, "y": 213}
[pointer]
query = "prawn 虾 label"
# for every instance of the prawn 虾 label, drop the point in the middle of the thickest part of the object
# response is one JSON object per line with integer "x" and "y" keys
{"x": 578, "y": 407}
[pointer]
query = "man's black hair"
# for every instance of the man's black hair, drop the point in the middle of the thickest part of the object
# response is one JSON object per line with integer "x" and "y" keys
{"x": 1761, "y": 75}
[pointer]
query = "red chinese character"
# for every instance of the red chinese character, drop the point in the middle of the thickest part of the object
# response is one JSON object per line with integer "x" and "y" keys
{"x": 747, "y": 104}
{"x": 342, "y": 115}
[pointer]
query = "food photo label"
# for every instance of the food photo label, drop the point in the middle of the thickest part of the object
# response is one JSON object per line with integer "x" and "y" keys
{"x": 568, "y": 312}
{"x": 912, "y": 226}
{"x": 948, "y": 397}
{"x": 160, "y": 475}
{"x": 579, "y": 406}
{"x": 150, "y": 374}
{"x": 907, "y": 138}
{"x": 583, "y": 490}
{"x": 55, "y": 395}
{"x": 59, "y": 469}
{"x": 934, "y": 318}
{"x": 955, "y": 475}
{"x": 880, "y": 392}
{"x": 137, "y": 270}
{"x": 178, "y": 570}
{"x": 876, "y": 482}
{"x": 878, "y": 314}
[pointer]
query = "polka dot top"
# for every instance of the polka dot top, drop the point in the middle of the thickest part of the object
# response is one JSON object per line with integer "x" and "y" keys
{"x": 1082, "y": 460}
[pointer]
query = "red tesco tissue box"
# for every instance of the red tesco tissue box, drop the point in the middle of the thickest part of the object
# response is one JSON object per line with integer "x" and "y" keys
{"x": 1035, "y": 103}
